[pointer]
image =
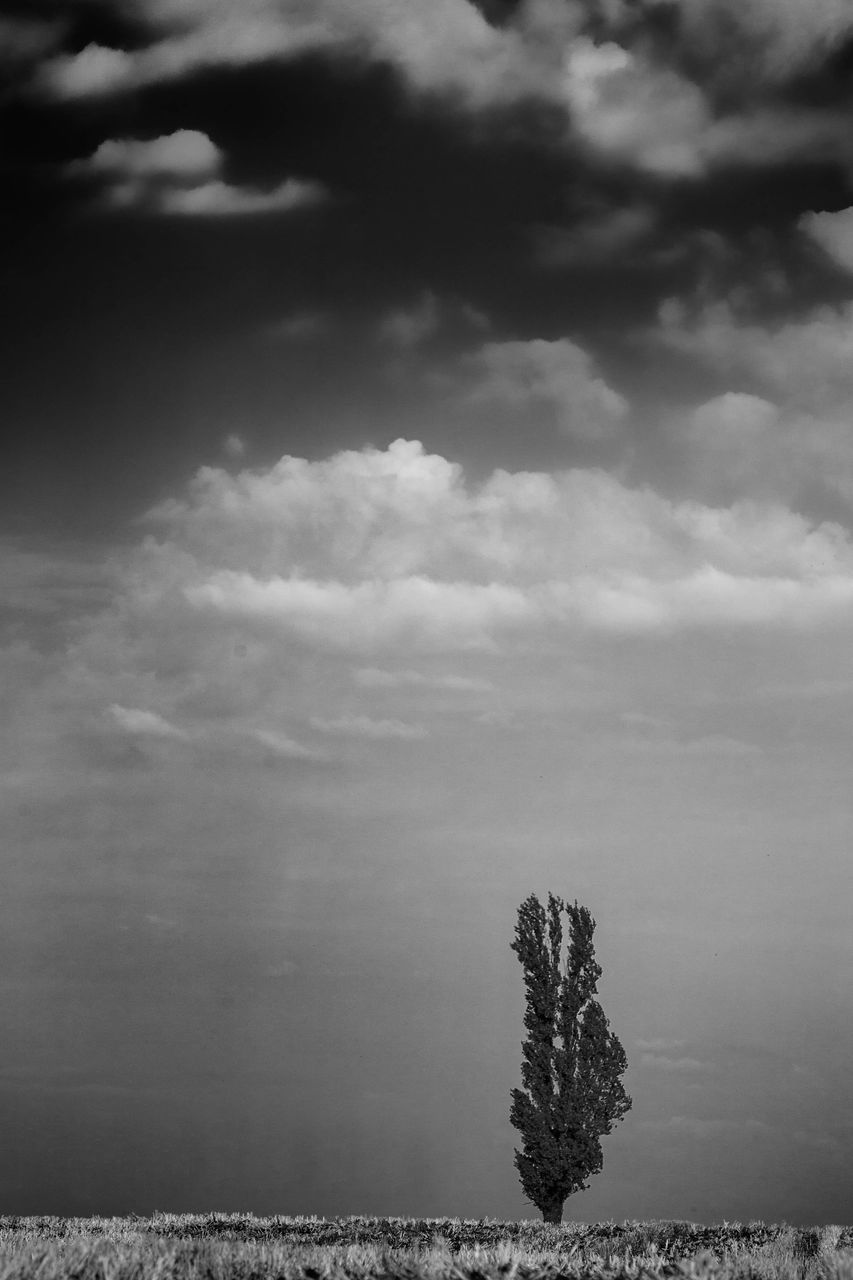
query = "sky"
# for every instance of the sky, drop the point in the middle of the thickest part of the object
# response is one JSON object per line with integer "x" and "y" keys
{"x": 428, "y": 480}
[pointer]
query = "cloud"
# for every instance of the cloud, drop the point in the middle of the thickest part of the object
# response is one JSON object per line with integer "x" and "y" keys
{"x": 52, "y": 585}
{"x": 719, "y": 744}
{"x": 653, "y": 735}
{"x": 768, "y": 136}
{"x": 597, "y": 237}
{"x": 183, "y": 155}
{"x": 94, "y": 71}
{"x": 702, "y": 1130}
{"x": 626, "y": 106}
{"x": 731, "y": 417}
{"x": 274, "y": 596}
{"x": 298, "y": 327}
{"x": 220, "y": 200}
{"x": 364, "y": 727}
{"x": 436, "y": 616}
{"x": 284, "y": 747}
{"x": 447, "y": 47}
{"x": 234, "y": 445}
{"x": 177, "y": 174}
{"x": 361, "y": 515}
{"x": 557, "y": 376}
{"x": 773, "y": 38}
{"x": 732, "y": 443}
{"x": 806, "y": 360}
{"x": 377, "y": 546}
{"x": 823, "y": 1142}
{"x": 376, "y": 678}
{"x": 639, "y": 720}
{"x": 141, "y": 723}
{"x": 739, "y": 445}
{"x": 663, "y": 1062}
{"x": 474, "y": 317}
{"x": 647, "y": 115}
{"x": 659, "y": 1044}
{"x": 409, "y": 327}
{"x": 24, "y": 40}
{"x": 368, "y": 615}
{"x": 217, "y": 38}
{"x": 630, "y": 111}
{"x": 281, "y": 620}
{"x": 807, "y": 690}
{"x": 372, "y": 520}
{"x": 833, "y": 232}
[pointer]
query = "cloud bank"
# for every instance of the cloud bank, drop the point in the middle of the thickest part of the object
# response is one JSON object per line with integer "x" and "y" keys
{"x": 620, "y": 93}
{"x": 373, "y": 547}
{"x": 285, "y": 614}
{"x": 313, "y": 567}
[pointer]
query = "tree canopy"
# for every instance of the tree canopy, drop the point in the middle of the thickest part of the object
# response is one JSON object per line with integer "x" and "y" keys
{"x": 572, "y": 1063}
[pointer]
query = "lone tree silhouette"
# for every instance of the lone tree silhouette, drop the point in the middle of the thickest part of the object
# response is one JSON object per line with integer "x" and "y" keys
{"x": 572, "y": 1062}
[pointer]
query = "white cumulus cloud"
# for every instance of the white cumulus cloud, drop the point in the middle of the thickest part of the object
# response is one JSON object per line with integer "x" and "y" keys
{"x": 183, "y": 154}
{"x": 374, "y": 547}
{"x": 808, "y": 360}
{"x": 648, "y": 115}
{"x": 557, "y": 375}
{"x": 281, "y": 602}
{"x": 221, "y": 200}
{"x": 179, "y": 174}
{"x": 633, "y": 112}
{"x": 367, "y": 615}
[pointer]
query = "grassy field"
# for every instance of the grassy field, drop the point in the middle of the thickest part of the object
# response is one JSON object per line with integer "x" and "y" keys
{"x": 243, "y": 1247}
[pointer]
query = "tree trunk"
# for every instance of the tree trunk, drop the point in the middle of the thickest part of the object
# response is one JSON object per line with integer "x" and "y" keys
{"x": 553, "y": 1212}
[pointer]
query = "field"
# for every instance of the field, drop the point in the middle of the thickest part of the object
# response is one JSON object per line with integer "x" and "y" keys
{"x": 243, "y": 1247}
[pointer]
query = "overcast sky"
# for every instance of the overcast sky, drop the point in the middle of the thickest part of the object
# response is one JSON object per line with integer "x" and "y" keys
{"x": 428, "y": 479}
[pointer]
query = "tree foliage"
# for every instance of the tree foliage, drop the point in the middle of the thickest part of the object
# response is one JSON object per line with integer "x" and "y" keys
{"x": 572, "y": 1062}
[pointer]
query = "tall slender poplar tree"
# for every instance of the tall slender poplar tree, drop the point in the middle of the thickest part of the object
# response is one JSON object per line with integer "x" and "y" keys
{"x": 572, "y": 1093}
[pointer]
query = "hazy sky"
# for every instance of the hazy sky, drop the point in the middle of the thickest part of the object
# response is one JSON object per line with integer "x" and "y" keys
{"x": 428, "y": 479}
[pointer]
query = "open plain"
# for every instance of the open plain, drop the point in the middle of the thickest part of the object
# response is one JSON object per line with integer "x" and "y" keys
{"x": 220, "y": 1246}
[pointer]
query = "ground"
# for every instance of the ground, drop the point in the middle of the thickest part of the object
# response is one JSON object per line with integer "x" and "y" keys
{"x": 223, "y": 1246}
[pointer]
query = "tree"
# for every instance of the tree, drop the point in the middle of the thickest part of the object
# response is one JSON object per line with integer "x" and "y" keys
{"x": 572, "y": 1093}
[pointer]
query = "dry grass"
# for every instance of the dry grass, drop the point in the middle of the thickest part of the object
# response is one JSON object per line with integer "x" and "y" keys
{"x": 243, "y": 1247}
